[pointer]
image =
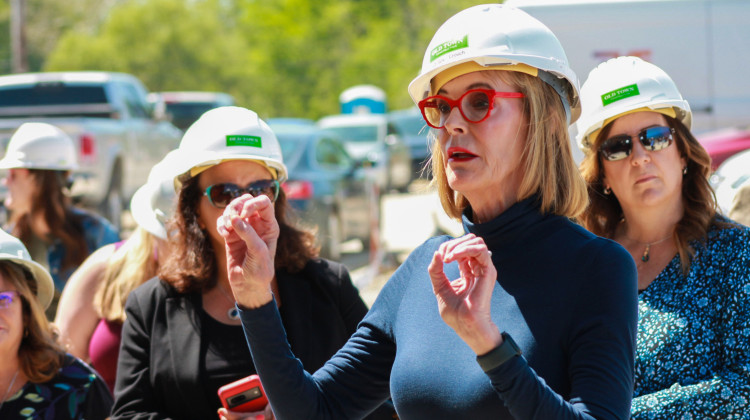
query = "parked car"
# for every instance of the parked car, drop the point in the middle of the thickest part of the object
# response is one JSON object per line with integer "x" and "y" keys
{"x": 722, "y": 144}
{"x": 110, "y": 119}
{"x": 372, "y": 139}
{"x": 411, "y": 125}
{"x": 729, "y": 177}
{"x": 183, "y": 108}
{"x": 327, "y": 186}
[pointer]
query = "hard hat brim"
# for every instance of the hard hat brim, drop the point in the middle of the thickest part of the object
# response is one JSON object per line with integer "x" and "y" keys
{"x": 45, "y": 285}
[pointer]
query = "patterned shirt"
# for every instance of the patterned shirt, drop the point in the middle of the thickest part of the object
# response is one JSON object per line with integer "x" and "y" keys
{"x": 77, "y": 392}
{"x": 693, "y": 353}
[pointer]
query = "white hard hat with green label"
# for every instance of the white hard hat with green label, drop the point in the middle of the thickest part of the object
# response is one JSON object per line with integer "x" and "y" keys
{"x": 496, "y": 37}
{"x": 13, "y": 250}
{"x": 227, "y": 133}
{"x": 154, "y": 202}
{"x": 40, "y": 146}
{"x": 624, "y": 85}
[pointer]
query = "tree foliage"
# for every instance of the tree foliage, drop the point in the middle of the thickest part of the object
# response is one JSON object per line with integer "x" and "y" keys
{"x": 278, "y": 57}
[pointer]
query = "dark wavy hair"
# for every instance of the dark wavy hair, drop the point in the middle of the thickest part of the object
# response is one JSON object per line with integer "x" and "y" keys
{"x": 39, "y": 355}
{"x": 51, "y": 202}
{"x": 698, "y": 199}
{"x": 191, "y": 266}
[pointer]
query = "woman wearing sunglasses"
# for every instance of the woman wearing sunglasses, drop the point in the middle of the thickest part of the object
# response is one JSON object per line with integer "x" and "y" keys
{"x": 649, "y": 191}
{"x": 182, "y": 339}
{"x": 527, "y": 316}
{"x": 38, "y": 380}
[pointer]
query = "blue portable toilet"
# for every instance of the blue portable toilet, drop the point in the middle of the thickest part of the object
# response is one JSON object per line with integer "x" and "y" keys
{"x": 363, "y": 99}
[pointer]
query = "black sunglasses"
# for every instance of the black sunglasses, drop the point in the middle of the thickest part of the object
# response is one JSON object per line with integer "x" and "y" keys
{"x": 220, "y": 195}
{"x": 652, "y": 138}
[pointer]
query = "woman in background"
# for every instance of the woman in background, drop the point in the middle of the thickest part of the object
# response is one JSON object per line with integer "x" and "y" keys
{"x": 648, "y": 184}
{"x": 39, "y": 158}
{"x": 182, "y": 338}
{"x": 37, "y": 378}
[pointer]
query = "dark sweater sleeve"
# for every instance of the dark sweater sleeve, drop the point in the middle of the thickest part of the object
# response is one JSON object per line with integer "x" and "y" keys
{"x": 601, "y": 348}
{"x": 351, "y": 385}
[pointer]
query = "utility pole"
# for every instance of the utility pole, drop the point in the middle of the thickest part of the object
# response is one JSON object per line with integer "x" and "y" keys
{"x": 19, "y": 61}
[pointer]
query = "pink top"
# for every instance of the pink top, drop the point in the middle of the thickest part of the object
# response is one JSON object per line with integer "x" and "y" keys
{"x": 104, "y": 349}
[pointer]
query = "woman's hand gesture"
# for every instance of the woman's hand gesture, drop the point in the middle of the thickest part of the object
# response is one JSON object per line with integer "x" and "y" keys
{"x": 464, "y": 303}
{"x": 250, "y": 232}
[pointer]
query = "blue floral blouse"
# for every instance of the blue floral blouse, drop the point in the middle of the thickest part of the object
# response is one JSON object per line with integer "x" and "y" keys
{"x": 77, "y": 392}
{"x": 693, "y": 352}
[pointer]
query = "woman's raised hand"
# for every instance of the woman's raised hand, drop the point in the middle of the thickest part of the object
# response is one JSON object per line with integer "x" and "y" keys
{"x": 464, "y": 303}
{"x": 250, "y": 231}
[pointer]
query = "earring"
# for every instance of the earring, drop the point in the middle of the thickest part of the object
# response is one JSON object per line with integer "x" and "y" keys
{"x": 684, "y": 170}
{"x": 607, "y": 191}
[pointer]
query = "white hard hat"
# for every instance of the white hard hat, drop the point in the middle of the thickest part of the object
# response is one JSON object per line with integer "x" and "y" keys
{"x": 499, "y": 37}
{"x": 12, "y": 249}
{"x": 624, "y": 85}
{"x": 40, "y": 146}
{"x": 154, "y": 202}
{"x": 227, "y": 133}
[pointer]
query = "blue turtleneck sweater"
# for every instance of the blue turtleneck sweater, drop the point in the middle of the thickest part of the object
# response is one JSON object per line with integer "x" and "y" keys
{"x": 567, "y": 297}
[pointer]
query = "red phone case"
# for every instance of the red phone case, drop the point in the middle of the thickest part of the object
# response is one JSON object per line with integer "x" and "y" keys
{"x": 245, "y": 395}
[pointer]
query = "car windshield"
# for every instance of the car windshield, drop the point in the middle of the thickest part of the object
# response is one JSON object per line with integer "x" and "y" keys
{"x": 185, "y": 113}
{"x": 51, "y": 94}
{"x": 410, "y": 125}
{"x": 292, "y": 147}
{"x": 357, "y": 134}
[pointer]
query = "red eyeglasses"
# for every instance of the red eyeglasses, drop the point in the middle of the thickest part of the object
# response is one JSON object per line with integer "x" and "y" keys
{"x": 475, "y": 106}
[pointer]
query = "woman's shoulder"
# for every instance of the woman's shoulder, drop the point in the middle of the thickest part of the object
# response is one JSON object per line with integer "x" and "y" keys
{"x": 153, "y": 290}
{"x": 73, "y": 375}
{"x": 96, "y": 227}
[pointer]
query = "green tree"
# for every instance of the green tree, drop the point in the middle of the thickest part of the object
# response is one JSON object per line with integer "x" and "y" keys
{"x": 168, "y": 44}
{"x": 279, "y": 57}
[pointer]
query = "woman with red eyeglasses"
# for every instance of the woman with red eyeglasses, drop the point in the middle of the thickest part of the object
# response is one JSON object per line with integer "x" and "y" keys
{"x": 182, "y": 339}
{"x": 648, "y": 185}
{"x": 526, "y": 316}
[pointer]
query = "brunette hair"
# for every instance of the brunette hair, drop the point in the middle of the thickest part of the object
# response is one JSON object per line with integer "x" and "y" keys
{"x": 549, "y": 169}
{"x": 191, "y": 265}
{"x": 131, "y": 265}
{"x": 51, "y": 202}
{"x": 39, "y": 355}
{"x": 698, "y": 199}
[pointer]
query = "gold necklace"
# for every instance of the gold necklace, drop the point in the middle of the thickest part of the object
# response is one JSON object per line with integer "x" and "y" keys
{"x": 13, "y": 381}
{"x": 645, "y": 256}
{"x": 233, "y": 314}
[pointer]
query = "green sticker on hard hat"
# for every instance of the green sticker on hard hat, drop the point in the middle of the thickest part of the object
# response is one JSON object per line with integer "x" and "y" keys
{"x": 240, "y": 140}
{"x": 447, "y": 47}
{"x": 621, "y": 93}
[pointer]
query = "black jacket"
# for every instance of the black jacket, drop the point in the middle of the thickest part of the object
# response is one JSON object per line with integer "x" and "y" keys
{"x": 158, "y": 367}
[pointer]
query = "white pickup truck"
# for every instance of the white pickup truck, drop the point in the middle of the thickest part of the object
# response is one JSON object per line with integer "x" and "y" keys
{"x": 109, "y": 119}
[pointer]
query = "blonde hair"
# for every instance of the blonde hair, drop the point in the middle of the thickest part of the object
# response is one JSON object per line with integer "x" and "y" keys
{"x": 130, "y": 266}
{"x": 39, "y": 355}
{"x": 549, "y": 169}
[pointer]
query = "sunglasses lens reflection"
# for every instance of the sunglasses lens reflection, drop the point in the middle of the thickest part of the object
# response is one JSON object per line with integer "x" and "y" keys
{"x": 221, "y": 195}
{"x": 620, "y": 146}
{"x": 617, "y": 147}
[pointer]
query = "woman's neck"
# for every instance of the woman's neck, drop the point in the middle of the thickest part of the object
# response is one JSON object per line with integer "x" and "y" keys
{"x": 651, "y": 224}
{"x": 39, "y": 226}
{"x": 489, "y": 206}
